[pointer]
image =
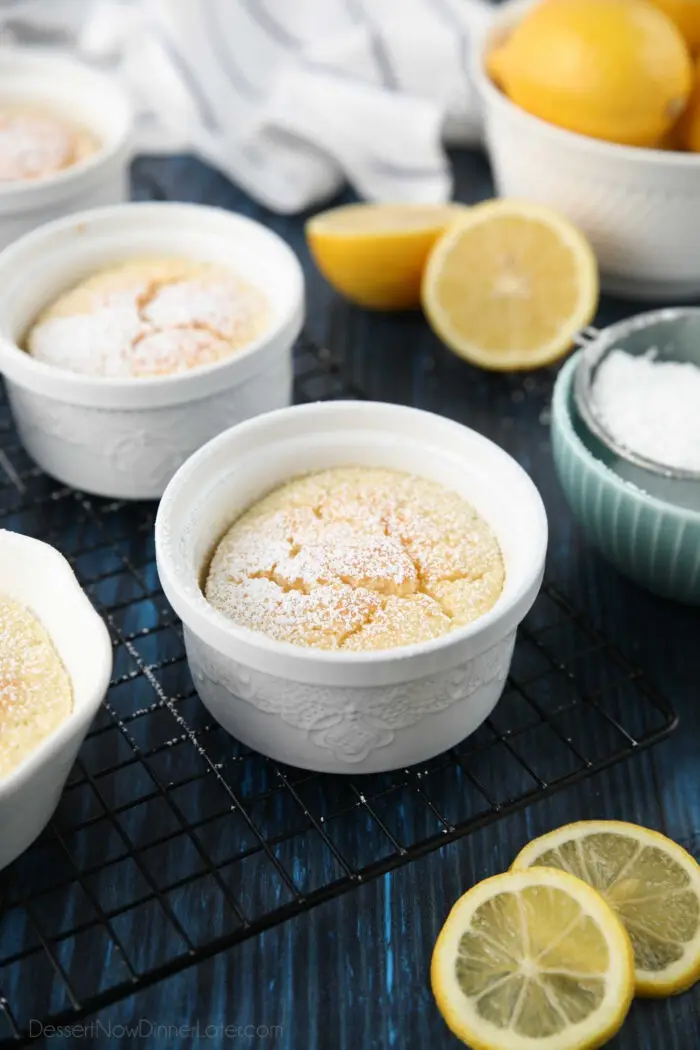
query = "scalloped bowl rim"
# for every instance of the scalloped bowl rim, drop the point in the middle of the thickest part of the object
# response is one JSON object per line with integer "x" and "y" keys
{"x": 85, "y": 709}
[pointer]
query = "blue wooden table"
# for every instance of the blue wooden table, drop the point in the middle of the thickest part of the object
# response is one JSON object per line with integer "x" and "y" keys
{"x": 353, "y": 973}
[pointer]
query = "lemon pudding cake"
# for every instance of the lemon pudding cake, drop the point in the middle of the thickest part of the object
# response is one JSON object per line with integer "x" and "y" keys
{"x": 35, "y": 144}
{"x": 36, "y": 695}
{"x": 356, "y": 558}
{"x": 149, "y": 317}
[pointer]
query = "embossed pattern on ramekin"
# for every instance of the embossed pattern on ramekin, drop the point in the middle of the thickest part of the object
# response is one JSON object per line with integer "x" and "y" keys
{"x": 346, "y": 724}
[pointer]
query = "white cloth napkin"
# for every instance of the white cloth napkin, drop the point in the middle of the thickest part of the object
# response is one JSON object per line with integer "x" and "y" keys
{"x": 289, "y": 98}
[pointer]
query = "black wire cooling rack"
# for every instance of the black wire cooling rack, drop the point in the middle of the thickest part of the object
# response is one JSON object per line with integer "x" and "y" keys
{"x": 173, "y": 841}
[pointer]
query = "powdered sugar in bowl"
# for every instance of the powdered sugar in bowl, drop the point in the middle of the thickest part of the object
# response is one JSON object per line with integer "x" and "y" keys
{"x": 637, "y": 389}
{"x": 115, "y": 417}
{"x": 629, "y": 480}
{"x": 341, "y": 710}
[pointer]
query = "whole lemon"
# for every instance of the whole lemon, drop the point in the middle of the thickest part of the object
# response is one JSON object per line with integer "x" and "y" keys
{"x": 613, "y": 69}
{"x": 686, "y": 15}
{"x": 686, "y": 134}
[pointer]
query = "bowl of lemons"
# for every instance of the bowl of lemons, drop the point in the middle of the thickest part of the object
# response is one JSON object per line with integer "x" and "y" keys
{"x": 592, "y": 107}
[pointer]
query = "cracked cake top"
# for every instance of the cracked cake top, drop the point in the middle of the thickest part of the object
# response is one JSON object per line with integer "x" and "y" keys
{"x": 357, "y": 558}
{"x": 149, "y": 317}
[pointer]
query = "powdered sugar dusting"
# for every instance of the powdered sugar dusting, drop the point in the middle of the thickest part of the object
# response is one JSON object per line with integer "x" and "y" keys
{"x": 357, "y": 558}
{"x": 35, "y": 145}
{"x": 149, "y": 318}
{"x": 35, "y": 690}
{"x": 225, "y": 306}
{"x": 98, "y": 344}
{"x": 651, "y": 407}
{"x": 175, "y": 350}
{"x": 126, "y": 298}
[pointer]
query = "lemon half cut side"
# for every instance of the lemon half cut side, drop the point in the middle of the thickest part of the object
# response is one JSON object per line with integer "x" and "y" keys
{"x": 510, "y": 285}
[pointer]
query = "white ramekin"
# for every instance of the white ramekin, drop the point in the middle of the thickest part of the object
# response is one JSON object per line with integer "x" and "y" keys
{"x": 125, "y": 438}
{"x": 333, "y": 711}
{"x": 637, "y": 206}
{"x": 67, "y": 88}
{"x": 38, "y": 576}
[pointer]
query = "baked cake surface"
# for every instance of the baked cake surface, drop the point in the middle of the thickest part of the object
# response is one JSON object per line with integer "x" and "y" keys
{"x": 357, "y": 558}
{"x": 35, "y": 144}
{"x": 36, "y": 695}
{"x": 149, "y": 317}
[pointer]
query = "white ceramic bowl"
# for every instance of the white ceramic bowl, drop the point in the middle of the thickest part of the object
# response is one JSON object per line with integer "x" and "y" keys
{"x": 334, "y": 711}
{"x": 637, "y": 206}
{"x": 125, "y": 438}
{"x": 67, "y": 88}
{"x": 38, "y": 576}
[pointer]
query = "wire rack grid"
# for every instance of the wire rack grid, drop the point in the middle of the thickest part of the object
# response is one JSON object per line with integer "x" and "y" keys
{"x": 173, "y": 841}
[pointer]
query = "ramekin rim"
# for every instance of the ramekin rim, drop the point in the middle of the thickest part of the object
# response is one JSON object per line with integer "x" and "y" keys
{"x": 561, "y": 421}
{"x": 303, "y": 656}
{"x": 63, "y": 179}
{"x": 83, "y": 713}
{"x": 80, "y": 381}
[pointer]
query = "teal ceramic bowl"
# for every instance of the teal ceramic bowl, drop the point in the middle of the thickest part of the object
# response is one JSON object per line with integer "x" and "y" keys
{"x": 653, "y": 541}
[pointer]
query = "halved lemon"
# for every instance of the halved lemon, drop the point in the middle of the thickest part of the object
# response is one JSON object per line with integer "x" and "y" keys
{"x": 652, "y": 883}
{"x": 533, "y": 960}
{"x": 510, "y": 284}
{"x": 374, "y": 254}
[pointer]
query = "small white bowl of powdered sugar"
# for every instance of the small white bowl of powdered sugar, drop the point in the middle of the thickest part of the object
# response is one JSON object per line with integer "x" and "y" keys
{"x": 131, "y": 335}
{"x": 626, "y": 440}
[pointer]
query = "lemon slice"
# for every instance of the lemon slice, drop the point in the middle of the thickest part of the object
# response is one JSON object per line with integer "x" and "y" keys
{"x": 650, "y": 881}
{"x": 509, "y": 285}
{"x": 374, "y": 254}
{"x": 533, "y": 960}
